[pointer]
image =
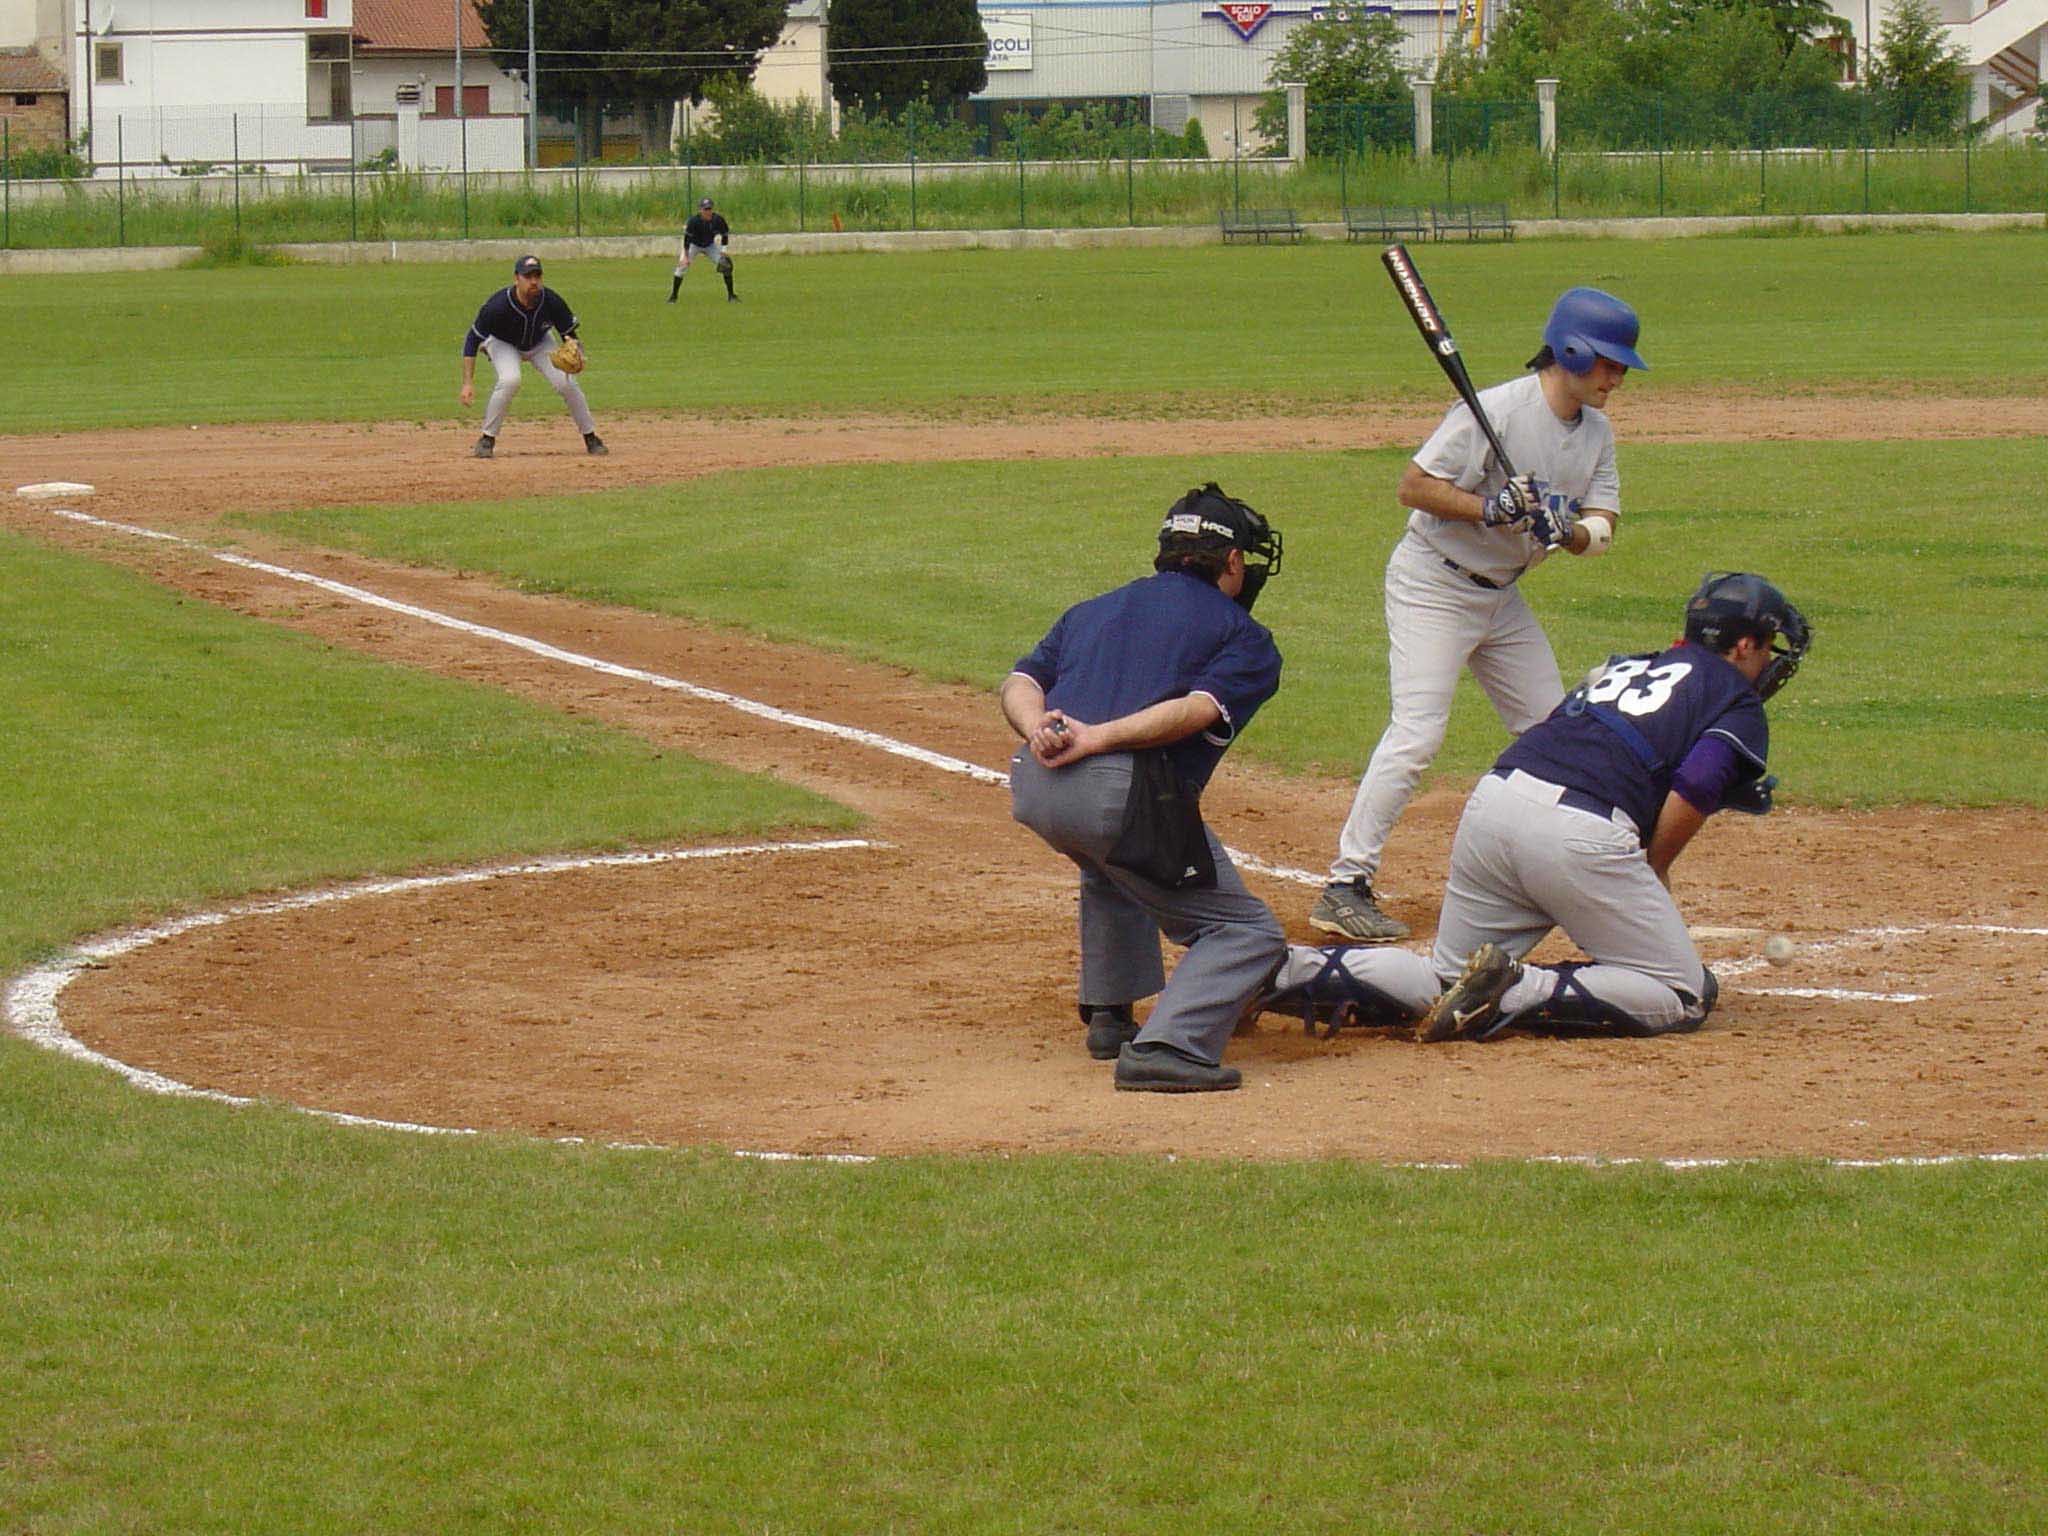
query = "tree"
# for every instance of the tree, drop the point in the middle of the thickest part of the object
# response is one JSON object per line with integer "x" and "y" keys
{"x": 1349, "y": 60}
{"x": 1918, "y": 76}
{"x": 884, "y": 54}
{"x": 587, "y": 51}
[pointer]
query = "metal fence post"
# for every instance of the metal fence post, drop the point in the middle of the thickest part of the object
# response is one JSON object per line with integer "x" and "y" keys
{"x": 1236, "y": 162}
{"x": 1660, "y": 157}
{"x": 6, "y": 185}
{"x": 354, "y": 154}
{"x": 689, "y": 160}
{"x": 1343, "y": 169}
{"x": 913, "y": 189}
{"x": 1556, "y": 174}
{"x": 1966, "y": 168}
{"x": 576, "y": 161}
{"x": 462, "y": 133}
{"x": 235, "y": 138}
{"x": 801, "y": 155}
{"x": 1130, "y": 183}
{"x": 1763, "y": 196}
{"x": 120, "y": 181}
{"x": 1020, "y": 185}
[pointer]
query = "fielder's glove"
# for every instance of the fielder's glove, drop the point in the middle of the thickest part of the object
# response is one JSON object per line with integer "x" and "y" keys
{"x": 1513, "y": 503}
{"x": 1552, "y": 522}
{"x": 568, "y": 356}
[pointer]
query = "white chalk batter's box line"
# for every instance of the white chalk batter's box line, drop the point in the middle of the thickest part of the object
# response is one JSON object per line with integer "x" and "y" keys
{"x": 63, "y": 1041}
{"x": 31, "y": 1001}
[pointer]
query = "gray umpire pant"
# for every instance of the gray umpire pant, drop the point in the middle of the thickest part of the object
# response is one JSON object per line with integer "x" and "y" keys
{"x": 1233, "y": 940}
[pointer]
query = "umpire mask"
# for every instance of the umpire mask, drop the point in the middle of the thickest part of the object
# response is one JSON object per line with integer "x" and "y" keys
{"x": 1209, "y": 520}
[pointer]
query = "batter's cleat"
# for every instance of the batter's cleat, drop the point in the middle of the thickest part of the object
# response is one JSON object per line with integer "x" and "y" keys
{"x": 732, "y": 298}
{"x": 594, "y": 445}
{"x": 1162, "y": 1069}
{"x": 1472, "y": 1002}
{"x": 1109, "y": 1029}
{"x": 485, "y": 447}
{"x": 1347, "y": 909}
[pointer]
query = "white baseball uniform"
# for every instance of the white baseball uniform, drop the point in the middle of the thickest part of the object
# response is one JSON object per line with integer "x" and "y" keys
{"x": 1452, "y": 598}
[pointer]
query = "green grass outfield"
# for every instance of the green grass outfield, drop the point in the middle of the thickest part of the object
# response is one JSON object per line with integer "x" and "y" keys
{"x": 245, "y": 1320}
{"x": 986, "y": 332}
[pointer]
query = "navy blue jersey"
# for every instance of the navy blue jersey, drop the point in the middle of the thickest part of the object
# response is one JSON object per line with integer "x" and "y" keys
{"x": 525, "y": 329}
{"x": 1621, "y": 739}
{"x": 703, "y": 228}
{"x": 1160, "y": 637}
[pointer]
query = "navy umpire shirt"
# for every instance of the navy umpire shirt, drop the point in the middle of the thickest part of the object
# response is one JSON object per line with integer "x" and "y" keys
{"x": 1158, "y": 638}
{"x": 525, "y": 329}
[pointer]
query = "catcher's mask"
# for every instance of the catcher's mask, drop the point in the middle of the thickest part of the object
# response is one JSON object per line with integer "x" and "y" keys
{"x": 1209, "y": 522}
{"x": 1729, "y": 605}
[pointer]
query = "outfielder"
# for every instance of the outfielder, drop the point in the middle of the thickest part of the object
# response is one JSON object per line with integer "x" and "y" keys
{"x": 1451, "y": 595}
{"x": 512, "y": 328}
{"x": 1577, "y": 827}
{"x": 707, "y": 235}
{"x": 1150, "y": 683}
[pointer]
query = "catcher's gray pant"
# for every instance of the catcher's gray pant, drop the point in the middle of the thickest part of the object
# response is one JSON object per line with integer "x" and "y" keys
{"x": 506, "y": 358}
{"x": 1438, "y": 622}
{"x": 1233, "y": 939}
{"x": 1522, "y": 864}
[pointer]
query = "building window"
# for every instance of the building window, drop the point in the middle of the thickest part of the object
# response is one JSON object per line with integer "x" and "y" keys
{"x": 327, "y": 79}
{"x": 106, "y": 63}
{"x": 21, "y": 100}
{"x": 316, "y": 10}
{"x": 476, "y": 101}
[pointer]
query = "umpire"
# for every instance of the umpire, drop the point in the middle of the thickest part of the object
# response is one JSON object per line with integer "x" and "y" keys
{"x": 1125, "y": 707}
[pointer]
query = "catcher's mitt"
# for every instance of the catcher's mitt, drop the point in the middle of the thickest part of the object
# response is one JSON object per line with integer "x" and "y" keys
{"x": 568, "y": 356}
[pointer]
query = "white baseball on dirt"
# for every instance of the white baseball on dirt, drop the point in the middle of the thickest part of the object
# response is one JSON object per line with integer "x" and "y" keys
{"x": 1778, "y": 949}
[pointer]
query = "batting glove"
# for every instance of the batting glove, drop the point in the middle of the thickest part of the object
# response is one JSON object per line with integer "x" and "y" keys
{"x": 1516, "y": 502}
{"x": 1553, "y": 521}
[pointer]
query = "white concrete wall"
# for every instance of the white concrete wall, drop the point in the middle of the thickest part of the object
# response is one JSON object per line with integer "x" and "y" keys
{"x": 377, "y": 81}
{"x": 17, "y": 23}
{"x": 794, "y": 69}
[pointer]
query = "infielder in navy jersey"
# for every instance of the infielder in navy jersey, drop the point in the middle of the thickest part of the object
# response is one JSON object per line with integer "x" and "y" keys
{"x": 706, "y": 234}
{"x": 511, "y": 328}
{"x": 1173, "y": 661}
{"x": 1577, "y": 827}
{"x": 1452, "y": 594}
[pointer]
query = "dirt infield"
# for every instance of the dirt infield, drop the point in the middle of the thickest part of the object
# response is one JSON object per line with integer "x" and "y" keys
{"x": 918, "y": 996}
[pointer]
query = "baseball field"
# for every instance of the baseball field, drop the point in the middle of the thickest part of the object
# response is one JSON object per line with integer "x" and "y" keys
{"x": 612, "y": 854}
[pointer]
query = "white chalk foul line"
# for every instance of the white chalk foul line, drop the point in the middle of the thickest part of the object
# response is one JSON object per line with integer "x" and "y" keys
{"x": 30, "y": 1004}
{"x": 541, "y": 648}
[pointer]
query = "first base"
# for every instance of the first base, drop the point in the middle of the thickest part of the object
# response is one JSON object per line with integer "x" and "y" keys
{"x": 50, "y": 490}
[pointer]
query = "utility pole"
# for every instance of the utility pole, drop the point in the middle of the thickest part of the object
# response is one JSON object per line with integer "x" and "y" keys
{"x": 532, "y": 95}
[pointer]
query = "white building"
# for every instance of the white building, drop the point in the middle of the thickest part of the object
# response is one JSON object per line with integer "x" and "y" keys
{"x": 408, "y": 64}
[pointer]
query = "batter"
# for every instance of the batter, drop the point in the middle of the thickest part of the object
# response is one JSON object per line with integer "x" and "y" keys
{"x": 1452, "y": 599}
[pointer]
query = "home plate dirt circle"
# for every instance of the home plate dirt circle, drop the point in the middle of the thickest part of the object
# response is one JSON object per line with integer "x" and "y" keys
{"x": 917, "y": 995}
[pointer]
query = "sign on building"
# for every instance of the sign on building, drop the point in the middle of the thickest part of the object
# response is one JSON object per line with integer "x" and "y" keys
{"x": 1009, "y": 39}
{"x": 1247, "y": 16}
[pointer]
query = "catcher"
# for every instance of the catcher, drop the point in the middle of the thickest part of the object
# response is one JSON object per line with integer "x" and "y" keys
{"x": 1577, "y": 827}
{"x": 511, "y": 328}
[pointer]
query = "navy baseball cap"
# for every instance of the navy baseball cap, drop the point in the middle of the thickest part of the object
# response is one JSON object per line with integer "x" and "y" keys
{"x": 525, "y": 265}
{"x": 703, "y": 202}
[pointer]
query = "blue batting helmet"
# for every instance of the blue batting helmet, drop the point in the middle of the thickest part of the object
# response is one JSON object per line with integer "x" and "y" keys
{"x": 1587, "y": 324}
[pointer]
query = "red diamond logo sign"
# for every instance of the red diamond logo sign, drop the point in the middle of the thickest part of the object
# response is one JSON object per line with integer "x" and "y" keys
{"x": 1246, "y": 18}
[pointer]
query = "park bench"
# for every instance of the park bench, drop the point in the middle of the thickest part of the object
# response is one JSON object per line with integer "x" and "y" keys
{"x": 1385, "y": 223}
{"x": 1472, "y": 220}
{"x": 1260, "y": 224}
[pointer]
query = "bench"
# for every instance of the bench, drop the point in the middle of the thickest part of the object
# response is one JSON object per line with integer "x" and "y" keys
{"x": 1260, "y": 224}
{"x": 1472, "y": 220}
{"x": 1385, "y": 223}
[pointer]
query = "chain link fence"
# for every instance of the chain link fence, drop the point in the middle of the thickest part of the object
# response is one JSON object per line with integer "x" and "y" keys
{"x": 264, "y": 176}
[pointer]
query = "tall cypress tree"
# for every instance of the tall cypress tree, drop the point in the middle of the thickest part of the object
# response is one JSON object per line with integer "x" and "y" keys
{"x": 885, "y": 54}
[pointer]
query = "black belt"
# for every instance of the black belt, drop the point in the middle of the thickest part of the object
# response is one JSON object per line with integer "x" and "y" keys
{"x": 1575, "y": 799}
{"x": 1478, "y": 580}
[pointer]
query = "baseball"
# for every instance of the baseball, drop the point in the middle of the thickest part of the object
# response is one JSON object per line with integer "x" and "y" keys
{"x": 1778, "y": 949}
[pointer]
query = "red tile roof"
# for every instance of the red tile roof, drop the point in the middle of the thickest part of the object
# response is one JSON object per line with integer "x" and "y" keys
{"x": 426, "y": 26}
{"x": 23, "y": 69}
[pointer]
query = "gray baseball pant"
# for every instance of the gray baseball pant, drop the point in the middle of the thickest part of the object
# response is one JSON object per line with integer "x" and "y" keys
{"x": 1233, "y": 939}
{"x": 506, "y": 358}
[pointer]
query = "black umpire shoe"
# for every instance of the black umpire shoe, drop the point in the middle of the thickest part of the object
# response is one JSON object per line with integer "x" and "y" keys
{"x": 594, "y": 445}
{"x": 1162, "y": 1069}
{"x": 1109, "y": 1029}
{"x": 485, "y": 447}
{"x": 1472, "y": 1002}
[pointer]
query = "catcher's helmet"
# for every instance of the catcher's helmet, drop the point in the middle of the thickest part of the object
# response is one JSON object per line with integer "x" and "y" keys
{"x": 1731, "y": 605}
{"x": 1586, "y": 324}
